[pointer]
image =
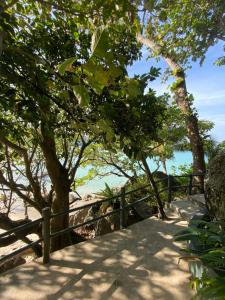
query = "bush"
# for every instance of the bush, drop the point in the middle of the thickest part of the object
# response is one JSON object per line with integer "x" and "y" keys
{"x": 207, "y": 245}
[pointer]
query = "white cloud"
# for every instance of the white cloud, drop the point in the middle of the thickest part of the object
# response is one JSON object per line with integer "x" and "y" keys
{"x": 213, "y": 98}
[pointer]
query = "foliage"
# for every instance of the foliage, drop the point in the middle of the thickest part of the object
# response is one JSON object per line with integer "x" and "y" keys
{"x": 55, "y": 84}
{"x": 44, "y": 94}
{"x": 186, "y": 30}
{"x": 108, "y": 192}
{"x": 208, "y": 245}
{"x": 140, "y": 182}
{"x": 213, "y": 288}
{"x": 213, "y": 148}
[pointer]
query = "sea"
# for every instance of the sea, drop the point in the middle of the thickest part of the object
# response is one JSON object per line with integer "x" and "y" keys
{"x": 97, "y": 184}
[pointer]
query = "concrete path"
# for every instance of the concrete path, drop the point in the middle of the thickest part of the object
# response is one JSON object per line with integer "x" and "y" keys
{"x": 140, "y": 262}
{"x": 190, "y": 207}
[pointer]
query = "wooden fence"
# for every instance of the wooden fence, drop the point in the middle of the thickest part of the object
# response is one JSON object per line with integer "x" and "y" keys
{"x": 45, "y": 220}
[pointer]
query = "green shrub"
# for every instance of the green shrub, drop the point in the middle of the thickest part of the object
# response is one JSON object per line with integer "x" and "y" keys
{"x": 207, "y": 244}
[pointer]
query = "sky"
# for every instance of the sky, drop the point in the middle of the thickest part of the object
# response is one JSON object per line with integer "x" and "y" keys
{"x": 206, "y": 83}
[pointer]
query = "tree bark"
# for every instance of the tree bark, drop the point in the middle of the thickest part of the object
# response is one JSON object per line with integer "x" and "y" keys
{"x": 163, "y": 161}
{"x": 61, "y": 186}
{"x": 154, "y": 187}
{"x": 181, "y": 98}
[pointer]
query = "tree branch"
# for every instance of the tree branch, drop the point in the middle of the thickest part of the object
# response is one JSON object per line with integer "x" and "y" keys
{"x": 14, "y": 187}
{"x": 158, "y": 50}
{"x": 76, "y": 166}
{"x": 35, "y": 186}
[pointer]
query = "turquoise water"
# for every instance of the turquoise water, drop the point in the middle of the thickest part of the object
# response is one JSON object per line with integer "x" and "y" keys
{"x": 98, "y": 184}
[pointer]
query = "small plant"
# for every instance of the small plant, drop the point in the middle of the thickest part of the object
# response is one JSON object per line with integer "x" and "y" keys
{"x": 207, "y": 245}
{"x": 109, "y": 193}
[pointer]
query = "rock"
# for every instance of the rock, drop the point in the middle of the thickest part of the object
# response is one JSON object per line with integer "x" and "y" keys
{"x": 114, "y": 220}
{"x": 79, "y": 216}
{"x": 84, "y": 215}
{"x": 143, "y": 210}
{"x": 158, "y": 175}
{"x": 103, "y": 226}
{"x": 73, "y": 197}
{"x": 88, "y": 197}
{"x": 12, "y": 263}
{"x": 90, "y": 215}
{"x": 215, "y": 187}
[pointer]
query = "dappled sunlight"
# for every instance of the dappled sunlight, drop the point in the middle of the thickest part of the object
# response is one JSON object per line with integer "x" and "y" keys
{"x": 140, "y": 262}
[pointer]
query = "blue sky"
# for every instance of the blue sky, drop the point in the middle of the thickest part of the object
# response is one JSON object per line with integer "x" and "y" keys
{"x": 206, "y": 83}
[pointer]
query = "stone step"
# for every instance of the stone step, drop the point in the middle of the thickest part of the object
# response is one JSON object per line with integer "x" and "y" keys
{"x": 198, "y": 200}
{"x": 186, "y": 209}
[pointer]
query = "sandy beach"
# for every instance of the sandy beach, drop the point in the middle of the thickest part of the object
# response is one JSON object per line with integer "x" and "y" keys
{"x": 18, "y": 213}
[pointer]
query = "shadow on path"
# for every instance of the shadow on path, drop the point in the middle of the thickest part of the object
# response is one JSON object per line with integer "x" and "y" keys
{"x": 140, "y": 262}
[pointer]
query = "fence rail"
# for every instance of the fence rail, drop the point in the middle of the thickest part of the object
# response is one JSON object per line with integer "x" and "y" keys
{"x": 45, "y": 220}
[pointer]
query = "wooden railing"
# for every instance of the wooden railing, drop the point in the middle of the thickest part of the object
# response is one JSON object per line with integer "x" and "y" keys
{"x": 45, "y": 220}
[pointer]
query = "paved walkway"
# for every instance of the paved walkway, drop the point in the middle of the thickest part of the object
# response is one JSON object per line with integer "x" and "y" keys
{"x": 140, "y": 262}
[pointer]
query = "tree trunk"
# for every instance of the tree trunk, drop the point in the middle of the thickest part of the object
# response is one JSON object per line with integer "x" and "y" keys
{"x": 61, "y": 203}
{"x": 181, "y": 97}
{"x": 154, "y": 187}
{"x": 163, "y": 161}
{"x": 61, "y": 186}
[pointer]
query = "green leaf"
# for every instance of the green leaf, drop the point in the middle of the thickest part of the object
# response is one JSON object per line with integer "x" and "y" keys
{"x": 149, "y": 4}
{"x": 133, "y": 88}
{"x": 163, "y": 16}
{"x": 215, "y": 258}
{"x": 96, "y": 37}
{"x": 82, "y": 94}
{"x": 66, "y": 65}
{"x": 186, "y": 237}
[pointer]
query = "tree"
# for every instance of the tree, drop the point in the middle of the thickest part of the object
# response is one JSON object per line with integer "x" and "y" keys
{"x": 32, "y": 123}
{"x": 189, "y": 30}
{"x": 150, "y": 29}
{"x": 46, "y": 87}
{"x": 180, "y": 31}
{"x": 142, "y": 115}
{"x": 106, "y": 162}
{"x": 151, "y": 37}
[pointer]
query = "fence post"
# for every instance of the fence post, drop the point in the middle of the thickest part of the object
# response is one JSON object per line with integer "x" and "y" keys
{"x": 122, "y": 209}
{"x": 190, "y": 184}
{"x": 169, "y": 189}
{"x": 46, "y": 213}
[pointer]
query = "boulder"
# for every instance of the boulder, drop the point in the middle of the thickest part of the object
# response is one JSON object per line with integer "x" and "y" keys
{"x": 114, "y": 220}
{"x": 78, "y": 217}
{"x": 215, "y": 187}
{"x": 88, "y": 197}
{"x": 90, "y": 216}
{"x": 103, "y": 226}
{"x": 73, "y": 197}
{"x": 12, "y": 263}
{"x": 143, "y": 210}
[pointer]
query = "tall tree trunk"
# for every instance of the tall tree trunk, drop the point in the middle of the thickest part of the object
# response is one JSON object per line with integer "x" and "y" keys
{"x": 181, "y": 97}
{"x": 154, "y": 187}
{"x": 61, "y": 186}
{"x": 61, "y": 203}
